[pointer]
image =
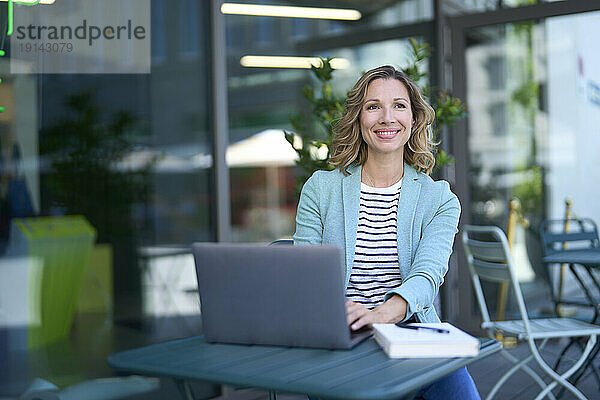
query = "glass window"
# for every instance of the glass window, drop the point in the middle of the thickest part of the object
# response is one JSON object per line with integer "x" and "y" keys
{"x": 189, "y": 24}
{"x": 265, "y": 28}
{"x": 105, "y": 181}
{"x": 471, "y": 6}
{"x": 387, "y": 14}
{"x": 495, "y": 66}
{"x": 159, "y": 31}
{"x": 300, "y": 28}
{"x": 497, "y": 114}
{"x": 261, "y": 102}
{"x": 364, "y": 57}
{"x": 533, "y": 126}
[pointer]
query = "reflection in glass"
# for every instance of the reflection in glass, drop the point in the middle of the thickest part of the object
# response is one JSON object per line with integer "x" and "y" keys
{"x": 506, "y": 125}
{"x": 129, "y": 154}
{"x": 505, "y": 121}
{"x": 261, "y": 101}
{"x": 533, "y": 118}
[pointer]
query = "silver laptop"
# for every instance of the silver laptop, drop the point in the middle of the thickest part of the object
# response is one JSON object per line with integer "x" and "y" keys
{"x": 273, "y": 295}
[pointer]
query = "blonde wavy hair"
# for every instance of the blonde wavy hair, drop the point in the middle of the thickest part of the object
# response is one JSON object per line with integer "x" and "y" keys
{"x": 348, "y": 146}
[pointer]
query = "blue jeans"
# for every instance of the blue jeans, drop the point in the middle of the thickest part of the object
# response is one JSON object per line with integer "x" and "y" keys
{"x": 457, "y": 385}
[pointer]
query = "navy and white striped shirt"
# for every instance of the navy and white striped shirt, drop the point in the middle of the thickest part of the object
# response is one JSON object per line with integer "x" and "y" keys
{"x": 376, "y": 270}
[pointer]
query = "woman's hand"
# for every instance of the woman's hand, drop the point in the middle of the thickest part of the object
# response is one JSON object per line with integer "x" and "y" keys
{"x": 390, "y": 312}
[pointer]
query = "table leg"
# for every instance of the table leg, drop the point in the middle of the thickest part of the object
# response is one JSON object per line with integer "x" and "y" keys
{"x": 588, "y": 363}
{"x": 597, "y": 300}
{"x": 593, "y": 302}
{"x": 185, "y": 389}
{"x": 204, "y": 390}
{"x": 272, "y": 395}
{"x": 583, "y": 286}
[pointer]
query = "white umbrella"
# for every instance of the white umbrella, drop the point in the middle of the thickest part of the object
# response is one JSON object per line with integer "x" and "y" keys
{"x": 265, "y": 149}
{"x": 268, "y": 148}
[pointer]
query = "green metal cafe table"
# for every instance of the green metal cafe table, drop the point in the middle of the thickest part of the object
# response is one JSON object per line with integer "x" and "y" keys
{"x": 365, "y": 372}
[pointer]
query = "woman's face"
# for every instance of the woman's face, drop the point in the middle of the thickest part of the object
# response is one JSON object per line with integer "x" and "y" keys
{"x": 386, "y": 117}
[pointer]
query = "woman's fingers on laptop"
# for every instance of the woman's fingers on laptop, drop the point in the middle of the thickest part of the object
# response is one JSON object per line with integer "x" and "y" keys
{"x": 392, "y": 311}
{"x": 358, "y": 315}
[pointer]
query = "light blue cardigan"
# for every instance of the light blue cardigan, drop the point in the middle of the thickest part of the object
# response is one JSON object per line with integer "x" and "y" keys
{"x": 428, "y": 215}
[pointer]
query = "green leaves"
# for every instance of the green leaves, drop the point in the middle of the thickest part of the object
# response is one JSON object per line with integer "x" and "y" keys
{"x": 442, "y": 158}
{"x": 324, "y": 72}
{"x": 326, "y": 108}
{"x": 308, "y": 93}
{"x": 448, "y": 109}
{"x": 298, "y": 122}
{"x": 420, "y": 52}
{"x": 527, "y": 94}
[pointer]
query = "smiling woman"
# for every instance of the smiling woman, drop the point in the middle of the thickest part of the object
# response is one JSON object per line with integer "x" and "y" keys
{"x": 395, "y": 224}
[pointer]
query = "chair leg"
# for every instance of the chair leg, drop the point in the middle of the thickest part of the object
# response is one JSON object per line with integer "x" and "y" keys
{"x": 581, "y": 347}
{"x": 595, "y": 370}
{"x": 272, "y": 395}
{"x": 562, "y": 379}
{"x": 529, "y": 371}
{"x": 589, "y": 363}
{"x": 518, "y": 365}
{"x": 562, "y": 353}
{"x": 504, "y": 377}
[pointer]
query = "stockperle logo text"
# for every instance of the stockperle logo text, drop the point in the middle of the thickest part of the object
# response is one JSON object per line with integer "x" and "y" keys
{"x": 83, "y": 31}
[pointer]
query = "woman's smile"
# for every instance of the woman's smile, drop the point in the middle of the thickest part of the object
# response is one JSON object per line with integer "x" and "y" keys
{"x": 387, "y": 133}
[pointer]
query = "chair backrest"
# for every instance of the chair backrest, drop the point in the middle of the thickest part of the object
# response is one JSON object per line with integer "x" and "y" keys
{"x": 581, "y": 233}
{"x": 489, "y": 259}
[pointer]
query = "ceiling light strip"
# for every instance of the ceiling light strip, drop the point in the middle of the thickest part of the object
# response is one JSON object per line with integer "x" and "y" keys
{"x": 290, "y": 62}
{"x": 290, "y": 11}
{"x": 30, "y": 2}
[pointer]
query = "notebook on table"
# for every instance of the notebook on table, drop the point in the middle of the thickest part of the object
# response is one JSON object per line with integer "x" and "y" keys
{"x": 273, "y": 295}
{"x": 444, "y": 340}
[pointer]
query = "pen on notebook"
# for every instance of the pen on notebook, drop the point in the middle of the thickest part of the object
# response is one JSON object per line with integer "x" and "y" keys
{"x": 417, "y": 327}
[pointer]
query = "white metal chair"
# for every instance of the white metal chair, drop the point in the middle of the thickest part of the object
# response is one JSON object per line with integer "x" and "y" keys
{"x": 489, "y": 259}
